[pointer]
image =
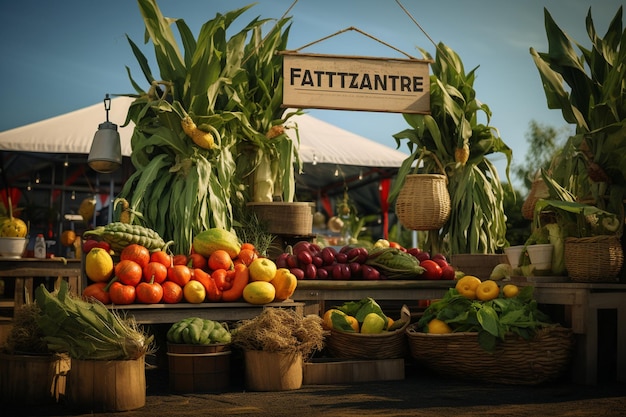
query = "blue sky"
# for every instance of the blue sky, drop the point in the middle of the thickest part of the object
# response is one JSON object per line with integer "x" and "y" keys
{"x": 59, "y": 56}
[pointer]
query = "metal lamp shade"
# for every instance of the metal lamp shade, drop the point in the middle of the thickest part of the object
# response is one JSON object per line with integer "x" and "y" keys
{"x": 105, "y": 155}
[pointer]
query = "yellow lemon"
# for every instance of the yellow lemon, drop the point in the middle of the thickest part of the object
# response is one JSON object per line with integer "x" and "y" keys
{"x": 194, "y": 292}
{"x": 98, "y": 265}
{"x": 437, "y": 326}
{"x": 510, "y": 290}
{"x": 373, "y": 324}
{"x": 467, "y": 285}
{"x": 487, "y": 290}
{"x": 259, "y": 292}
{"x": 262, "y": 269}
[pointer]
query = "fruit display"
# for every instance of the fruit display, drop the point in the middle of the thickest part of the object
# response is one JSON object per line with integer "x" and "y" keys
{"x": 197, "y": 331}
{"x": 306, "y": 260}
{"x": 122, "y": 271}
{"x": 486, "y": 308}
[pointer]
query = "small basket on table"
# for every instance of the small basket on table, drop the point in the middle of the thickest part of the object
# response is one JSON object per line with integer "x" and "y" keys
{"x": 386, "y": 345}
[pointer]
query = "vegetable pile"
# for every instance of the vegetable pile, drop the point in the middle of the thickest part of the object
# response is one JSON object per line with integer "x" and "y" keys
{"x": 197, "y": 331}
{"x": 87, "y": 329}
{"x": 308, "y": 260}
{"x": 363, "y": 316}
{"x": 493, "y": 317}
{"x": 220, "y": 269}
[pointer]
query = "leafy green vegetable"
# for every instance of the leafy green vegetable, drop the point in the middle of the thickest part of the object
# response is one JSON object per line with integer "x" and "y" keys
{"x": 493, "y": 320}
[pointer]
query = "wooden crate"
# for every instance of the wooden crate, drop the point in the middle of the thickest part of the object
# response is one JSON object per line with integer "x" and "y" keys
{"x": 343, "y": 371}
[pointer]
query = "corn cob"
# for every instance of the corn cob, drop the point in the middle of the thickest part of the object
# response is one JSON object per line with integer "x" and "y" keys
{"x": 461, "y": 155}
{"x": 203, "y": 139}
{"x": 119, "y": 235}
{"x": 394, "y": 263}
{"x": 275, "y": 131}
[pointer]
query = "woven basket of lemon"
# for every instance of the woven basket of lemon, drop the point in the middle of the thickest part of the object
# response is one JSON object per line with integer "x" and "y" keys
{"x": 482, "y": 331}
{"x": 361, "y": 330}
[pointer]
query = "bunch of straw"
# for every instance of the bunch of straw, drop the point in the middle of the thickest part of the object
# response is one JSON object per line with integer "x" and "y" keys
{"x": 280, "y": 330}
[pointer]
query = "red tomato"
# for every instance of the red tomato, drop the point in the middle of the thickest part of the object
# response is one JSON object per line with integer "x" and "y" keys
{"x": 432, "y": 270}
{"x": 179, "y": 259}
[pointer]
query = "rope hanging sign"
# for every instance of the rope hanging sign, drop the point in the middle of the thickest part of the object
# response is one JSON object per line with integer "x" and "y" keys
{"x": 341, "y": 82}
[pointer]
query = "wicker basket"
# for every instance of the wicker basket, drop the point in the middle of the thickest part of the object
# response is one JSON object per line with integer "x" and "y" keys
{"x": 424, "y": 201}
{"x": 386, "y": 345}
{"x": 538, "y": 190}
{"x": 593, "y": 259}
{"x": 295, "y": 219}
{"x": 515, "y": 360}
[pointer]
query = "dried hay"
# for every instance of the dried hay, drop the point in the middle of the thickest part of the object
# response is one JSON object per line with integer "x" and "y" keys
{"x": 25, "y": 335}
{"x": 280, "y": 330}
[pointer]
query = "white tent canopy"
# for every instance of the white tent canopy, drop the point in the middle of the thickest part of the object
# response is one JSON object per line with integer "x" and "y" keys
{"x": 70, "y": 132}
{"x": 73, "y": 133}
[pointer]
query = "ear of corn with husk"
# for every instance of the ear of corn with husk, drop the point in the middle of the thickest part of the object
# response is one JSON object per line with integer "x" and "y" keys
{"x": 87, "y": 329}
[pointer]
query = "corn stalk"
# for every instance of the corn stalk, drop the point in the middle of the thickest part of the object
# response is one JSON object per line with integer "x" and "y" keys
{"x": 179, "y": 187}
{"x": 462, "y": 144}
{"x": 589, "y": 89}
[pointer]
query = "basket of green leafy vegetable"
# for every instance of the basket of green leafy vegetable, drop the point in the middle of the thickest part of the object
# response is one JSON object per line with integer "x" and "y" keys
{"x": 506, "y": 339}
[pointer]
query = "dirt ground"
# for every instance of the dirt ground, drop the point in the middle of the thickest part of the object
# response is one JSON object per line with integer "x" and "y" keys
{"x": 420, "y": 393}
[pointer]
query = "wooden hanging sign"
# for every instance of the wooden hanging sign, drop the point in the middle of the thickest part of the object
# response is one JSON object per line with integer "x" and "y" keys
{"x": 356, "y": 83}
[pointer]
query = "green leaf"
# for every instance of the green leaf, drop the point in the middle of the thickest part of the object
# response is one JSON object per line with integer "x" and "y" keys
{"x": 488, "y": 319}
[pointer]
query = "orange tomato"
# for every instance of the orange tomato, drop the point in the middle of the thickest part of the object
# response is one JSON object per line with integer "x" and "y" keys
{"x": 172, "y": 292}
{"x": 162, "y": 257}
{"x": 137, "y": 253}
{"x": 156, "y": 270}
{"x": 179, "y": 274}
{"x": 220, "y": 259}
{"x": 248, "y": 245}
{"x": 246, "y": 256}
{"x": 128, "y": 272}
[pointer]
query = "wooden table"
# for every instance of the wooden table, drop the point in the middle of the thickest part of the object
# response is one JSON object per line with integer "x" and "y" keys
{"x": 24, "y": 270}
{"x": 171, "y": 313}
{"x": 318, "y": 295}
{"x": 582, "y": 301}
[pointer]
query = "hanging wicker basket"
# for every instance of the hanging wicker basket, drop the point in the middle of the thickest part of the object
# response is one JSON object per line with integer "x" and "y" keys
{"x": 424, "y": 201}
{"x": 593, "y": 259}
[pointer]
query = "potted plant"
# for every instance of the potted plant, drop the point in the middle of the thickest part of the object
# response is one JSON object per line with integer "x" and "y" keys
{"x": 585, "y": 238}
{"x": 462, "y": 143}
{"x": 589, "y": 89}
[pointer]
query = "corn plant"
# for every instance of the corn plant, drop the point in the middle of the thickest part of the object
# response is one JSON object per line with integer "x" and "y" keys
{"x": 216, "y": 97}
{"x": 589, "y": 90}
{"x": 452, "y": 131}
